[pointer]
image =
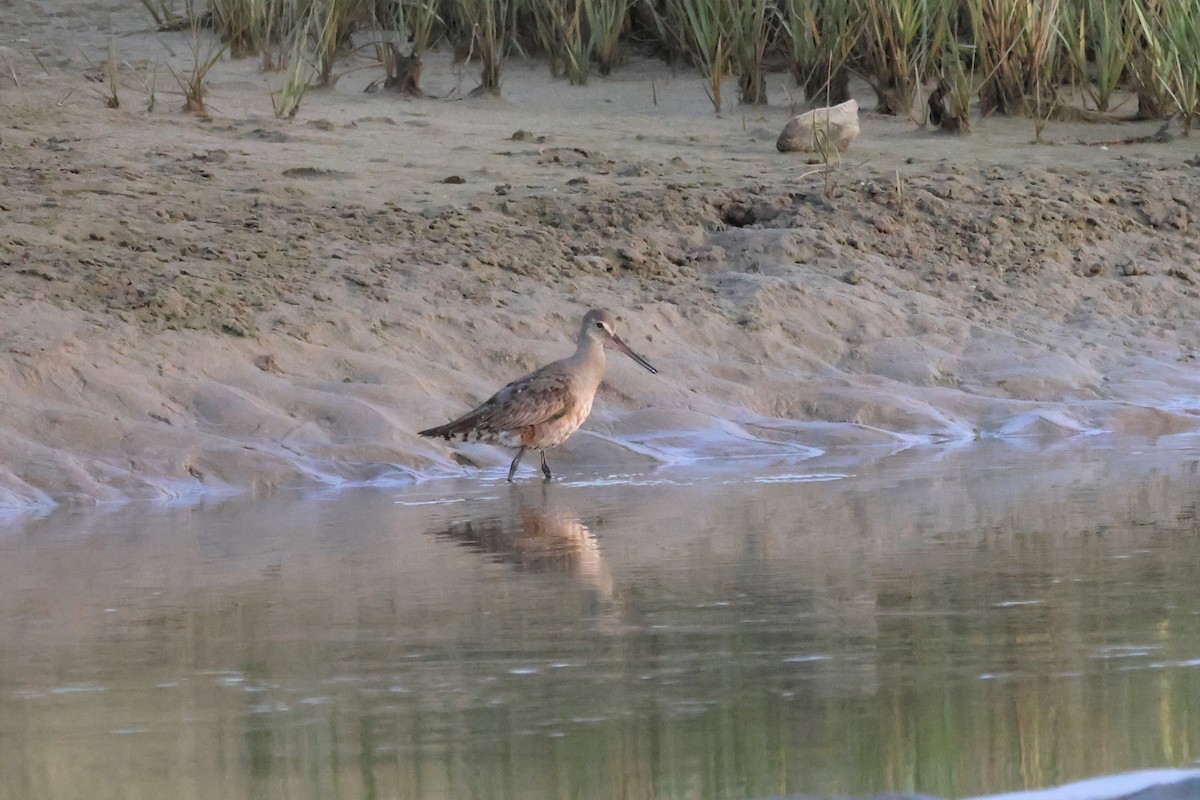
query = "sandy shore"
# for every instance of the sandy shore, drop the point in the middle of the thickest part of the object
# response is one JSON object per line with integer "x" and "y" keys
{"x": 194, "y": 305}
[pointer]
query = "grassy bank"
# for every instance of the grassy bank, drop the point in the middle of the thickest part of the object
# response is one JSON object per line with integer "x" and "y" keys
{"x": 1038, "y": 58}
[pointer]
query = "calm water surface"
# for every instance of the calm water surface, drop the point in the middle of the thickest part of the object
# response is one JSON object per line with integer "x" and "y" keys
{"x": 956, "y": 622}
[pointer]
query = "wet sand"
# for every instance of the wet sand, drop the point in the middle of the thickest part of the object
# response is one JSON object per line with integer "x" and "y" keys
{"x": 193, "y": 306}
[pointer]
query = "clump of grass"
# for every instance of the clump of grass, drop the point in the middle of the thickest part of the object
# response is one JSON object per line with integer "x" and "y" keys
{"x": 1097, "y": 44}
{"x": 831, "y": 160}
{"x": 276, "y": 25}
{"x": 162, "y": 11}
{"x": 1042, "y": 40}
{"x": 165, "y": 15}
{"x": 1149, "y": 63}
{"x": 1017, "y": 47}
{"x": 144, "y": 77}
{"x": 405, "y": 20}
{"x": 1015, "y": 53}
{"x": 486, "y": 23}
{"x": 605, "y": 21}
{"x": 561, "y": 32}
{"x": 892, "y": 51}
{"x": 950, "y": 101}
{"x": 255, "y": 27}
{"x": 1169, "y": 68}
{"x": 402, "y": 74}
{"x": 752, "y": 27}
{"x": 267, "y": 28}
{"x": 1182, "y": 22}
{"x": 822, "y": 34}
{"x": 239, "y": 24}
{"x": 335, "y": 20}
{"x": 204, "y": 57}
{"x": 422, "y": 18}
{"x": 997, "y": 27}
{"x": 110, "y": 74}
{"x": 286, "y": 100}
{"x": 150, "y": 85}
{"x": 701, "y": 28}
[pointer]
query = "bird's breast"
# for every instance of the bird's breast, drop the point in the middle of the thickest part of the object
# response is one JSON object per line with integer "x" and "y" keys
{"x": 556, "y": 431}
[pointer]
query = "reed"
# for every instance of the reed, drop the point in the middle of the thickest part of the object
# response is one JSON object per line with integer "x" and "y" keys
{"x": 892, "y": 49}
{"x": 149, "y": 83}
{"x": 950, "y": 101}
{"x": 752, "y": 31}
{"x": 1017, "y": 48}
{"x": 411, "y": 21}
{"x": 1182, "y": 27}
{"x": 416, "y": 19}
{"x": 110, "y": 75}
{"x": 702, "y": 28}
{"x": 166, "y": 16}
{"x": 1041, "y": 38}
{"x": 1097, "y": 44}
{"x": 276, "y": 27}
{"x": 997, "y": 27}
{"x": 1014, "y": 53}
{"x": 606, "y": 20}
{"x": 561, "y": 32}
{"x": 240, "y": 24}
{"x": 1148, "y": 64}
{"x": 205, "y": 55}
{"x": 1168, "y": 67}
{"x": 822, "y": 34}
{"x": 1111, "y": 42}
{"x": 485, "y": 25}
{"x": 333, "y": 23}
{"x": 105, "y": 79}
{"x": 300, "y": 73}
{"x": 257, "y": 27}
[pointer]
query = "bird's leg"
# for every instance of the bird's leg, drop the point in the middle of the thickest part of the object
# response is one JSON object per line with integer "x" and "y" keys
{"x": 545, "y": 466}
{"x": 513, "y": 468}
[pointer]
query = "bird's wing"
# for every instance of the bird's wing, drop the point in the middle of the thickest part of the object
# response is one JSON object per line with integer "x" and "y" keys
{"x": 538, "y": 397}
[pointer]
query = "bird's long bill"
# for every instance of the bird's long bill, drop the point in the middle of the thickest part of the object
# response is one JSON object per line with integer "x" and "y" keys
{"x": 624, "y": 348}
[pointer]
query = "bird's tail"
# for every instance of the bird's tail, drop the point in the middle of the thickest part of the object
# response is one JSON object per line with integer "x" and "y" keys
{"x": 450, "y": 430}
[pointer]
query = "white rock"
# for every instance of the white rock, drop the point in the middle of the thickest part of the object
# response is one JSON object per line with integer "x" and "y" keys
{"x": 809, "y": 132}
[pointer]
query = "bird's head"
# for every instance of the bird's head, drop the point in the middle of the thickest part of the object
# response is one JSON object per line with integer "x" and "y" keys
{"x": 600, "y": 326}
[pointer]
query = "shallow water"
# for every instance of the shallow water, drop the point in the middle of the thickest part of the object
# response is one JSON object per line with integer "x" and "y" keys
{"x": 956, "y": 621}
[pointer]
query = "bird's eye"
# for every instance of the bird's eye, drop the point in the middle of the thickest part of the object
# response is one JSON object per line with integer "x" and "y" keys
{"x": 600, "y": 325}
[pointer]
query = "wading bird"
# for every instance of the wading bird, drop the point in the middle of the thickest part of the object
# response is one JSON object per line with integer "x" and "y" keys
{"x": 545, "y": 407}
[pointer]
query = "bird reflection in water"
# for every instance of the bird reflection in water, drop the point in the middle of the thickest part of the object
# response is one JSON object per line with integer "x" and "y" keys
{"x": 539, "y": 533}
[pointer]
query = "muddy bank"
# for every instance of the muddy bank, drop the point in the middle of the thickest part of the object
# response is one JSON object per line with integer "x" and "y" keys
{"x": 193, "y": 306}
